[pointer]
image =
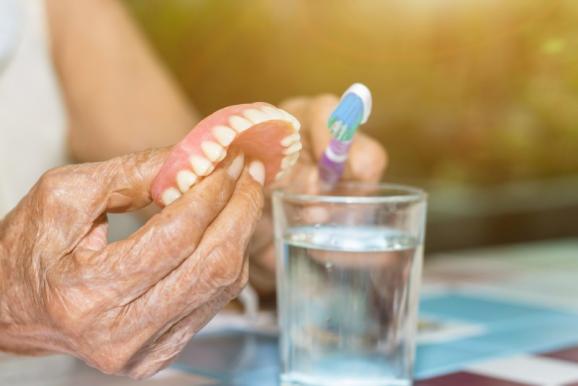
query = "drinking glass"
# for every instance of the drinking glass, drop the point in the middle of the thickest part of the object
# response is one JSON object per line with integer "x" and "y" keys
{"x": 348, "y": 273}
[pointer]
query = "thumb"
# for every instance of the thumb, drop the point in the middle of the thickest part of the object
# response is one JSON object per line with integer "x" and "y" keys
{"x": 318, "y": 113}
{"x": 124, "y": 182}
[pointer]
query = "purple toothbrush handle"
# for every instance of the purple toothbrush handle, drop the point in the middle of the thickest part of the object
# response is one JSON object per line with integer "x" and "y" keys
{"x": 332, "y": 162}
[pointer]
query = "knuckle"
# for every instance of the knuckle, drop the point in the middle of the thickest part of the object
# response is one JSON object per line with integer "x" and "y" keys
{"x": 92, "y": 333}
{"x": 235, "y": 289}
{"x": 254, "y": 199}
{"x": 49, "y": 181}
{"x": 139, "y": 375}
{"x": 53, "y": 183}
{"x": 157, "y": 356}
{"x": 293, "y": 104}
{"x": 145, "y": 370}
{"x": 112, "y": 358}
{"x": 226, "y": 264}
{"x": 326, "y": 99}
{"x": 110, "y": 366}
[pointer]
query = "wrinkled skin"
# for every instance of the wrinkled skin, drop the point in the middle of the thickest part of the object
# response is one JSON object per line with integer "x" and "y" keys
{"x": 130, "y": 306}
{"x": 367, "y": 161}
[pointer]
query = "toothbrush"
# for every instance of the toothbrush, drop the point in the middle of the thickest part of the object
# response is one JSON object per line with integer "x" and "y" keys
{"x": 352, "y": 111}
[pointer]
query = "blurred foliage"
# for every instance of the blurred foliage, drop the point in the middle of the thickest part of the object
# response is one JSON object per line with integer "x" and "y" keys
{"x": 476, "y": 92}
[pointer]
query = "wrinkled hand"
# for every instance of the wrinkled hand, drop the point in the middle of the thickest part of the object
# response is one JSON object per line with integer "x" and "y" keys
{"x": 367, "y": 161}
{"x": 130, "y": 306}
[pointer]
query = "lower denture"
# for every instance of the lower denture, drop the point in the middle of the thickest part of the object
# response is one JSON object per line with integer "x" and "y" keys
{"x": 259, "y": 130}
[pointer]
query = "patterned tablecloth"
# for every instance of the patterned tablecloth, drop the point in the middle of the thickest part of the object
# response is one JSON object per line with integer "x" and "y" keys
{"x": 495, "y": 317}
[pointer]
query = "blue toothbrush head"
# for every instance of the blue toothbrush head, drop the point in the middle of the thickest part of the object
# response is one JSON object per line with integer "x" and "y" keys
{"x": 353, "y": 110}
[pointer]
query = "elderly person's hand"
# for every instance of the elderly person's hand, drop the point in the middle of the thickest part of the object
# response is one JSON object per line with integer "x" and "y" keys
{"x": 130, "y": 306}
{"x": 367, "y": 161}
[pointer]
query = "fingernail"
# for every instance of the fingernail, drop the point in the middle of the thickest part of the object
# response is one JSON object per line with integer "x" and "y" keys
{"x": 235, "y": 168}
{"x": 257, "y": 171}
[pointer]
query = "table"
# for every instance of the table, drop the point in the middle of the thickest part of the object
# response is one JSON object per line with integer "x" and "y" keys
{"x": 504, "y": 316}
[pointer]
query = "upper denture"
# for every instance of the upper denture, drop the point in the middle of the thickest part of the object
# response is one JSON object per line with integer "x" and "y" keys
{"x": 259, "y": 129}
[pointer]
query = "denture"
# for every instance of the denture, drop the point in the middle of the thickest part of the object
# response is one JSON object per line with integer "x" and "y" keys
{"x": 261, "y": 131}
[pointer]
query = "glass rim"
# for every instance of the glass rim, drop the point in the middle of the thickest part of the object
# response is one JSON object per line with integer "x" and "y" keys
{"x": 408, "y": 194}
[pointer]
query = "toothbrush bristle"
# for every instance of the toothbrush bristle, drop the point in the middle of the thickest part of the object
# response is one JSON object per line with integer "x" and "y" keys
{"x": 346, "y": 117}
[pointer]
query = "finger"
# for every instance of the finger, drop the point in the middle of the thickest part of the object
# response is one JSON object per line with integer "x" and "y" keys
{"x": 295, "y": 106}
{"x": 367, "y": 159}
{"x": 318, "y": 113}
{"x": 117, "y": 185}
{"x": 130, "y": 178}
{"x": 172, "y": 339}
{"x": 96, "y": 238}
{"x": 218, "y": 260}
{"x": 303, "y": 178}
{"x": 133, "y": 265}
{"x": 262, "y": 274}
{"x": 82, "y": 193}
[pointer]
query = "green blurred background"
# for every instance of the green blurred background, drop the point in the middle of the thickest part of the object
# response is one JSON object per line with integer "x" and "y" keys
{"x": 477, "y": 101}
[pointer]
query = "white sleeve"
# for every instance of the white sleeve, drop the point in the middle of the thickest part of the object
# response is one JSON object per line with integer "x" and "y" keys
{"x": 32, "y": 118}
{"x": 10, "y": 23}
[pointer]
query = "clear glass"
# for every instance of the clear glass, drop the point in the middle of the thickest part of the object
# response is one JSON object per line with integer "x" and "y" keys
{"x": 349, "y": 269}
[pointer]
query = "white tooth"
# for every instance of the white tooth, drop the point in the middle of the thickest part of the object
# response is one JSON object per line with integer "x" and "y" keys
{"x": 186, "y": 179}
{"x": 291, "y": 119}
{"x": 290, "y": 140}
{"x": 201, "y": 166}
{"x": 213, "y": 151}
{"x": 272, "y": 112}
{"x": 239, "y": 124}
{"x": 285, "y": 163}
{"x": 255, "y": 116}
{"x": 224, "y": 135}
{"x": 295, "y": 148}
{"x": 294, "y": 121}
{"x": 276, "y": 113}
{"x": 289, "y": 161}
{"x": 281, "y": 174}
{"x": 235, "y": 168}
{"x": 170, "y": 195}
{"x": 257, "y": 171}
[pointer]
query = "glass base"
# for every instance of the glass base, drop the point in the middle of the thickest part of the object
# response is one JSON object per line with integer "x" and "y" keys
{"x": 294, "y": 379}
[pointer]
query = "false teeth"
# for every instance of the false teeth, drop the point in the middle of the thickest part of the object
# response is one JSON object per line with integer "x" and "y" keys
{"x": 289, "y": 161}
{"x": 294, "y": 121}
{"x": 272, "y": 112}
{"x": 186, "y": 179}
{"x": 201, "y": 166}
{"x": 282, "y": 173}
{"x": 213, "y": 151}
{"x": 257, "y": 171}
{"x": 224, "y": 135}
{"x": 295, "y": 148}
{"x": 239, "y": 124}
{"x": 290, "y": 140}
{"x": 255, "y": 116}
{"x": 209, "y": 147}
{"x": 170, "y": 195}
